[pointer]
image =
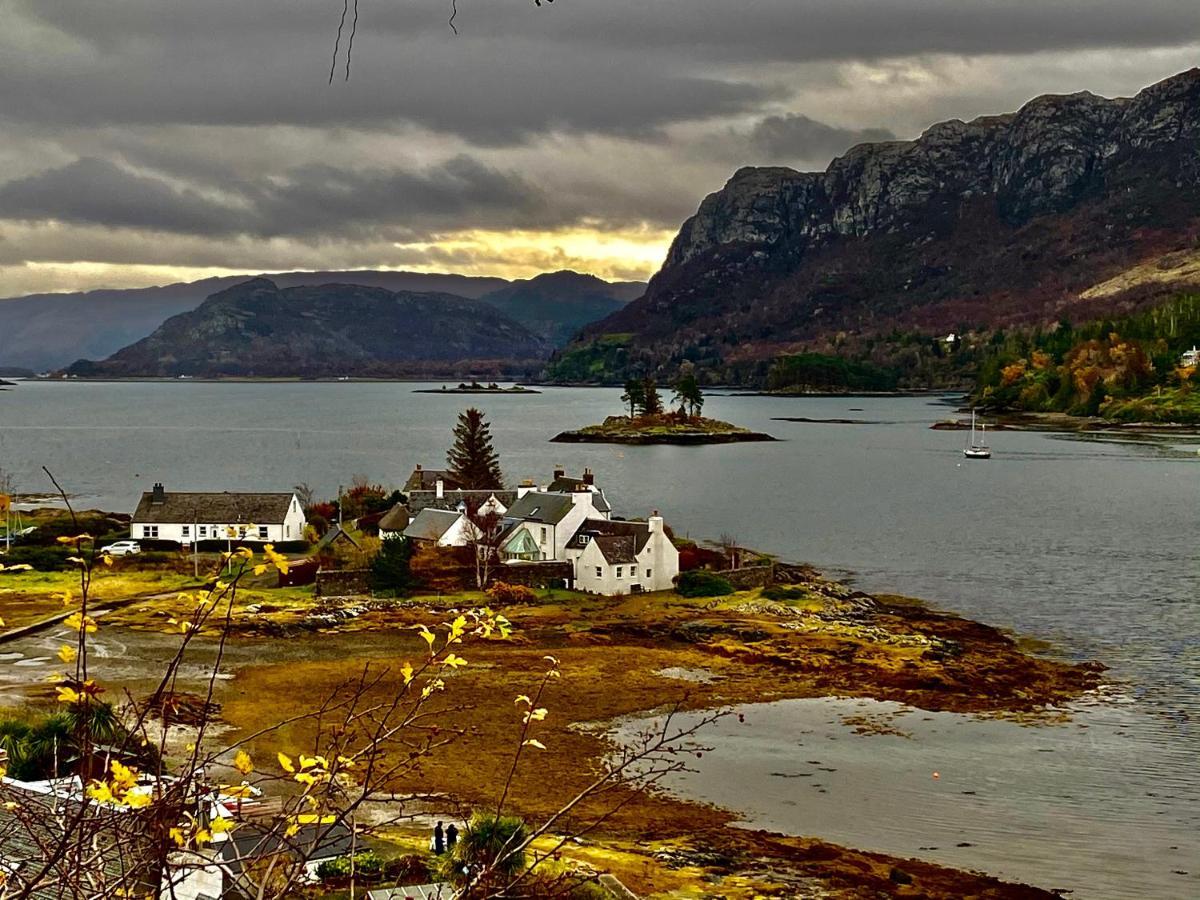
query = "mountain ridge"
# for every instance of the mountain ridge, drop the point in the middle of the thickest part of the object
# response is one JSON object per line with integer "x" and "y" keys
{"x": 1003, "y": 220}
{"x": 258, "y": 329}
{"x": 41, "y": 332}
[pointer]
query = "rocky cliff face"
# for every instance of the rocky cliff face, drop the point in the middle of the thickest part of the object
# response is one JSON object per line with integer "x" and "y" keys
{"x": 1000, "y": 219}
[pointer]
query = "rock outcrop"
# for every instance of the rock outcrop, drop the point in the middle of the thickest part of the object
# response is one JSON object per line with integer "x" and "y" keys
{"x": 1000, "y": 220}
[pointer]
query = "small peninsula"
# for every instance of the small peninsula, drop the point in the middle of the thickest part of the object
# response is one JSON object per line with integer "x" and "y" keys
{"x": 476, "y": 388}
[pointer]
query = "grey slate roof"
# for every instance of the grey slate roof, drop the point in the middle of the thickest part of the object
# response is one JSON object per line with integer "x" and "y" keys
{"x": 419, "y": 500}
{"x": 430, "y": 524}
{"x": 427, "y": 479}
{"x": 620, "y": 540}
{"x": 224, "y": 508}
{"x": 441, "y": 891}
{"x": 29, "y": 834}
{"x": 618, "y": 548}
{"x": 539, "y": 507}
{"x": 336, "y": 533}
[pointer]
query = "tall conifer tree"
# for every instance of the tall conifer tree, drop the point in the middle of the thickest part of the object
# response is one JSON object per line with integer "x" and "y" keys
{"x": 472, "y": 458}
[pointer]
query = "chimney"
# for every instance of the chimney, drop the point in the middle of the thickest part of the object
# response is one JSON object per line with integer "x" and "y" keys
{"x": 158, "y": 496}
{"x": 588, "y": 477}
{"x": 559, "y": 471}
{"x": 418, "y": 467}
{"x": 655, "y": 522}
{"x": 441, "y": 489}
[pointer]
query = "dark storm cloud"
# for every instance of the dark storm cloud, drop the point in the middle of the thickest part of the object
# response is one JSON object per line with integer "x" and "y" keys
{"x": 95, "y": 191}
{"x": 616, "y": 66}
{"x": 207, "y": 126}
{"x": 801, "y": 138}
{"x": 305, "y": 201}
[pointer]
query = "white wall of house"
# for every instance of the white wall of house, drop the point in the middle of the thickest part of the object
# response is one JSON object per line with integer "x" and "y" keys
{"x": 655, "y": 569}
{"x": 290, "y": 529}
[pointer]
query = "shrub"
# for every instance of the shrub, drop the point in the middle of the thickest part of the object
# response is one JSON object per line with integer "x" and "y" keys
{"x": 44, "y": 559}
{"x": 366, "y": 864}
{"x": 391, "y": 569}
{"x": 501, "y": 592}
{"x": 701, "y": 583}
{"x": 410, "y": 869}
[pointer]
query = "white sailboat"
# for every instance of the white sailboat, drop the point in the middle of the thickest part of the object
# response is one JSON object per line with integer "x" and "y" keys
{"x": 978, "y": 450}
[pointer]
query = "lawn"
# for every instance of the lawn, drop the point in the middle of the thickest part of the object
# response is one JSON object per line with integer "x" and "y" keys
{"x": 26, "y": 597}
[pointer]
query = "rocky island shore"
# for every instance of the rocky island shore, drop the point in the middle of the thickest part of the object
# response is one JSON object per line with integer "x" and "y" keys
{"x": 668, "y": 428}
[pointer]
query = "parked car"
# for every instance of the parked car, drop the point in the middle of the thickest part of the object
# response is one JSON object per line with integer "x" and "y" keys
{"x": 122, "y": 548}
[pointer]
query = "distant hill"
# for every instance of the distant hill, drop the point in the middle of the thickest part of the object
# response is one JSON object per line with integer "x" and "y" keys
{"x": 258, "y": 329}
{"x": 1075, "y": 207}
{"x": 48, "y": 331}
{"x": 556, "y": 305}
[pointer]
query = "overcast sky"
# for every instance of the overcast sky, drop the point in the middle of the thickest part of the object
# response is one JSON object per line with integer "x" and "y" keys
{"x": 147, "y": 141}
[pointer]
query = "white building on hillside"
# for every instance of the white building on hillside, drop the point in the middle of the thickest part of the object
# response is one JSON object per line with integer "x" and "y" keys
{"x": 547, "y": 521}
{"x": 185, "y": 517}
{"x": 616, "y": 556}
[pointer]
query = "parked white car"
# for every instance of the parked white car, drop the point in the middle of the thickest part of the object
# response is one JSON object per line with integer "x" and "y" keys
{"x": 122, "y": 548}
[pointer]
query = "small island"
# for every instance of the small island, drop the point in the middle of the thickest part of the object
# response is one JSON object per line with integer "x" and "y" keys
{"x": 649, "y": 422}
{"x": 476, "y": 388}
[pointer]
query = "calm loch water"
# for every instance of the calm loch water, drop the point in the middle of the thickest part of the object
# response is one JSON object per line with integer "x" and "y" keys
{"x": 1091, "y": 545}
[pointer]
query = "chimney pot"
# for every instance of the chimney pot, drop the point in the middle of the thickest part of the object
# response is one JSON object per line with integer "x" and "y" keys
{"x": 588, "y": 477}
{"x": 559, "y": 471}
{"x": 159, "y": 494}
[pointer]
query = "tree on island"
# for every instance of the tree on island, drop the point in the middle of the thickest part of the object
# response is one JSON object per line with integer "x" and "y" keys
{"x": 473, "y": 461}
{"x": 652, "y": 404}
{"x": 686, "y": 391}
{"x": 635, "y": 396}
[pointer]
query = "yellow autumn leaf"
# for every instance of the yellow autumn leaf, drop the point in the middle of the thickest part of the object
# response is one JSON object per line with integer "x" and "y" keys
{"x": 285, "y": 762}
{"x": 535, "y": 743}
{"x": 454, "y": 662}
{"x": 67, "y": 653}
{"x": 406, "y": 672}
{"x": 67, "y": 695}
{"x": 243, "y": 763}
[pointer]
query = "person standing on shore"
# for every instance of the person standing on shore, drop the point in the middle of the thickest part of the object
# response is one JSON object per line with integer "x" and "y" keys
{"x": 451, "y": 837}
{"x": 438, "y": 844}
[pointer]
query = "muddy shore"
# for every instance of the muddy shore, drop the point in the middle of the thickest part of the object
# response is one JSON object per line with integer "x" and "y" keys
{"x": 620, "y": 657}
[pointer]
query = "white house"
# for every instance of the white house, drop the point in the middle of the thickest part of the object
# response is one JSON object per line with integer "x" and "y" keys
{"x": 547, "y": 522}
{"x": 615, "y": 556}
{"x": 183, "y": 517}
{"x": 1190, "y": 358}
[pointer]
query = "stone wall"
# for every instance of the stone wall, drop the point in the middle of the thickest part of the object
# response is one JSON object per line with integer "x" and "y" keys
{"x": 535, "y": 574}
{"x": 748, "y": 577}
{"x": 343, "y": 582}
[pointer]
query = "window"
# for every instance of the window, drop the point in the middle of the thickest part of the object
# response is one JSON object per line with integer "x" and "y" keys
{"x": 262, "y": 532}
{"x": 599, "y": 572}
{"x": 619, "y": 571}
{"x": 187, "y": 531}
{"x": 544, "y": 532}
{"x": 150, "y": 531}
{"x": 649, "y": 573}
{"x": 203, "y": 531}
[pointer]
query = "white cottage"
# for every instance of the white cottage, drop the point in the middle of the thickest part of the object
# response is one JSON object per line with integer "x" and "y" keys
{"x": 185, "y": 517}
{"x": 546, "y": 522}
{"x": 623, "y": 557}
